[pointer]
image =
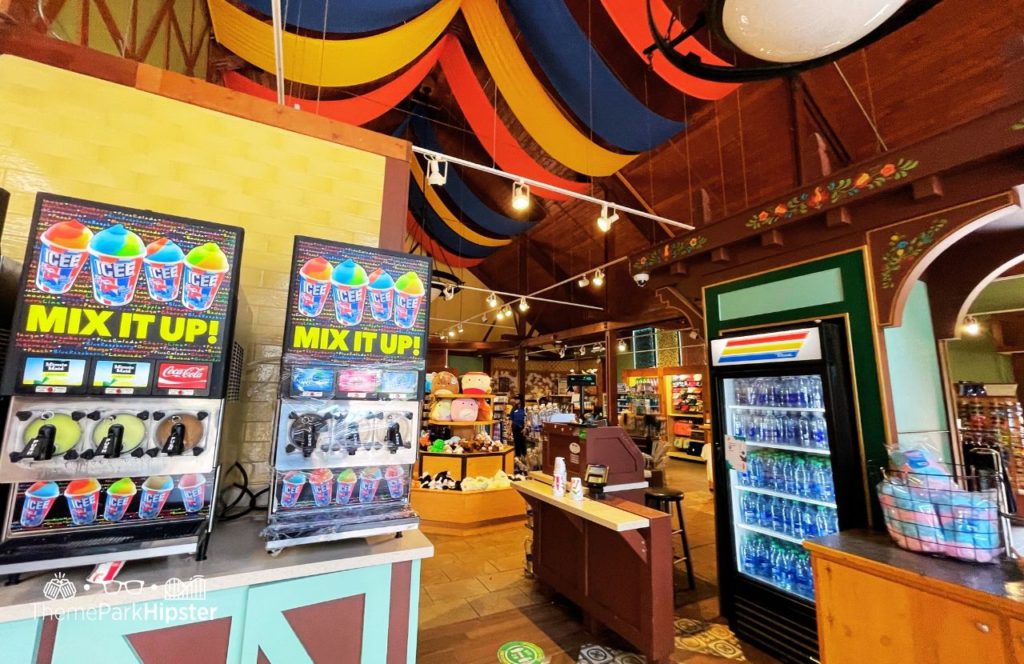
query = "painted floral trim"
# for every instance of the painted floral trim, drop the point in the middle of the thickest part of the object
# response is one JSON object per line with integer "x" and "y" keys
{"x": 670, "y": 252}
{"x": 902, "y": 252}
{"x": 1018, "y": 125}
{"x": 833, "y": 192}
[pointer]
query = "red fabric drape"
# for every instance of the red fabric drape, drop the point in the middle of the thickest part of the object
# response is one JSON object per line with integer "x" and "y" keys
{"x": 357, "y": 110}
{"x": 630, "y": 17}
{"x": 503, "y": 148}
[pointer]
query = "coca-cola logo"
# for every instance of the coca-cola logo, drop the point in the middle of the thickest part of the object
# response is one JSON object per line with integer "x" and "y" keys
{"x": 174, "y": 376}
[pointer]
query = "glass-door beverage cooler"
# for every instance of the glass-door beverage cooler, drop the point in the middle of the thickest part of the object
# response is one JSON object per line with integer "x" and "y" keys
{"x": 788, "y": 468}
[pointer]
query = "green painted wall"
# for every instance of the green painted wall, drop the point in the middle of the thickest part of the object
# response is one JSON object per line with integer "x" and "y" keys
{"x": 744, "y": 311}
{"x": 806, "y": 290}
{"x": 1000, "y": 295}
{"x": 917, "y": 391}
{"x": 974, "y": 359}
{"x": 464, "y": 363}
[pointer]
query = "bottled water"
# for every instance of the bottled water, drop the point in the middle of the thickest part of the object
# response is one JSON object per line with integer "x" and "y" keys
{"x": 754, "y": 426}
{"x": 749, "y": 556}
{"x": 754, "y": 470}
{"x": 833, "y": 521}
{"x": 790, "y": 430}
{"x": 797, "y": 516}
{"x": 764, "y": 565}
{"x": 773, "y": 428}
{"x": 823, "y": 478}
{"x": 769, "y": 472}
{"x": 764, "y": 511}
{"x": 809, "y": 526}
{"x": 761, "y": 390}
{"x": 740, "y": 391}
{"x": 804, "y": 429}
{"x": 788, "y": 476}
{"x": 739, "y": 424}
{"x": 777, "y": 522}
{"x": 749, "y": 505}
{"x": 788, "y": 569}
{"x": 800, "y": 478}
{"x": 819, "y": 433}
{"x": 814, "y": 396}
{"x": 775, "y": 393}
{"x": 803, "y": 390}
{"x": 821, "y": 522}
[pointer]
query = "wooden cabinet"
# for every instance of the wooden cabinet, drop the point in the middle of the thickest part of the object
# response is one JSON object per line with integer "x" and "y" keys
{"x": 866, "y": 618}
{"x": 882, "y": 605}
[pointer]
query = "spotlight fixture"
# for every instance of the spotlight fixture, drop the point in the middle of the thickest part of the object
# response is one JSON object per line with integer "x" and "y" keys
{"x": 435, "y": 175}
{"x": 448, "y": 292}
{"x": 520, "y": 195}
{"x": 461, "y": 328}
{"x": 561, "y": 352}
{"x": 451, "y": 332}
{"x": 583, "y": 281}
{"x": 523, "y": 304}
{"x": 483, "y": 317}
{"x": 622, "y": 346}
{"x": 507, "y": 311}
{"x": 604, "y": 222}
{"x": 972, "y": 326}
{"x": 598, "y": 278}
{"x": 581, "y": 351}
{"x": 492, "y": 300}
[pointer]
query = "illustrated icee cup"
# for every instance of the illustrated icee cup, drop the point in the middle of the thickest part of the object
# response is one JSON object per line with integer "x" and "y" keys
{"x": 83, "y": 498}
{"x": 205, "y": 269}
{"x": 346, "y": 485}
{"x": 155, "y": 491}
{"x": 314, "y": 286}
{"x": 119, "y": 495}
{"x": 63, "y": 252}
{"x": 408, "y": 298}
{"x": 321, "y": 481}
{"x": 39, "y": 498}
{"x": 193, "y": 492}
{"x": 382, "y": 295}
{"x": 164, "y": 267}
{"x": 348, "y": 283}
{"x": 115, "y": 260}
{"x": 291, "y": 488}
{"x": 368, "y": 481}
{"x": 396, "y": 481}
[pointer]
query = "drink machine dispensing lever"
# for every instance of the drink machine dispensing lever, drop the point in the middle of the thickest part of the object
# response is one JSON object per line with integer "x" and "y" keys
{"x": 40, "y": 447}
{"x": 110, "y": 446}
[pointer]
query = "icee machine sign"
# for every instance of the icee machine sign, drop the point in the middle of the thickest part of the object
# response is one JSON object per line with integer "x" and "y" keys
{"x": 102, "y": 282}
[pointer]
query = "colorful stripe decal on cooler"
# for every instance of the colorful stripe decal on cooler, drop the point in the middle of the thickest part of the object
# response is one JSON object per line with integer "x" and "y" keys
{"x": 788, "y": 346}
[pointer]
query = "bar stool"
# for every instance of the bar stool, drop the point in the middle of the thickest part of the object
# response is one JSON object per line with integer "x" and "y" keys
{"x": 662, "y": 498}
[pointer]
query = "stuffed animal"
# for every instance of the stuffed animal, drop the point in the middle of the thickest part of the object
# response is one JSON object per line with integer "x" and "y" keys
{"x": 425, "y": 480}
{"x": 437, "y": 447}
{"x": 476, "y": 382}
{"x": 444, "y": 384}
{"x": 483, "y": 409}
{"x": 463, "y": 410}
{"x": 441, "y": 410}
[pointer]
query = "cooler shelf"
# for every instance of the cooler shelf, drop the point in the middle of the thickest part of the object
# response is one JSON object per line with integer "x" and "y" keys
{"x": 769, "y": 532}
{"x": 781, "y": 409}
{"x": 790, "y": 448}
{"x": 786, "y": 496}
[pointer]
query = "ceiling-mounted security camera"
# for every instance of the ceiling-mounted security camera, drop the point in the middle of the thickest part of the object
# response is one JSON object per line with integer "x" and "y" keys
{"x": 641, "y": 278}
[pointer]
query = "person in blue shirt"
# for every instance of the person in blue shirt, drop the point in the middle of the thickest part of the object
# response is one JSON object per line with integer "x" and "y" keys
{"x": 518, "y": 417}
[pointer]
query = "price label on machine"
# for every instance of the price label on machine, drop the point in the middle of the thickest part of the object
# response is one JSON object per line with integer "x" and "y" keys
{"x": 736, "y": 454}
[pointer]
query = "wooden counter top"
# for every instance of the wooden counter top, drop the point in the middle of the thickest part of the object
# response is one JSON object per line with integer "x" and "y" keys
{"x": 999, "y": 583}
{"x": 596, "y": 511}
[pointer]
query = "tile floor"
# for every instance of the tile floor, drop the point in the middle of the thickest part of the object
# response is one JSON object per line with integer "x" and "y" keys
{"x": 474, "y": 596}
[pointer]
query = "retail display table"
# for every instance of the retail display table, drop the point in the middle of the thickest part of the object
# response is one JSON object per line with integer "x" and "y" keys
{"x": 878, "y": 603}
{"x": 355, "y": 600}
{"x": 612, "y": 558}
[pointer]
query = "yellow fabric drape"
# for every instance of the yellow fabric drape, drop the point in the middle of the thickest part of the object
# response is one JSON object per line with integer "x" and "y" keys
{"x": 445, "y": 213}
{"x": 332, "y": 62}
{"x": 528, "y": 99}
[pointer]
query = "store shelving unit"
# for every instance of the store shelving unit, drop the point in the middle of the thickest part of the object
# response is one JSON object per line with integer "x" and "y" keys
{"x": 994, "y": 421}
{"x": 685, "y": 408}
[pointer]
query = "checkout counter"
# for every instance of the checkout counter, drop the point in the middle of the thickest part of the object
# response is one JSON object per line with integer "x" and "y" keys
{"x": 611, "y": 557}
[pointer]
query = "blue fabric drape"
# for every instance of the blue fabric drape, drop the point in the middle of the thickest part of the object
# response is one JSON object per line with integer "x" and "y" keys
{"x": 582, "y": 79}
{"x": 459, "y": 192}
{"x": 440, "y": 231}
{"x": 345, "y": 16}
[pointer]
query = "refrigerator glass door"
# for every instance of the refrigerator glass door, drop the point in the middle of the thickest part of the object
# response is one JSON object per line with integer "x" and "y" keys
{"x": 786, "y": 491}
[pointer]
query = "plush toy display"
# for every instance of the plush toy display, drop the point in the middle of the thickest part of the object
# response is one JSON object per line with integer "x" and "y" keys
{"x": 444, "y": 384}
{"x": 483, "y": 411}
{"x": 441, "y": 410}
{"x": 464, "y": 410}
{"x": 476, "y": 382}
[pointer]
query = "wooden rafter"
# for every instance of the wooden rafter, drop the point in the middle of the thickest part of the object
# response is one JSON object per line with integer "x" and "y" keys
{"x": 154, "y": 30}
{"x": 108, "y": 20}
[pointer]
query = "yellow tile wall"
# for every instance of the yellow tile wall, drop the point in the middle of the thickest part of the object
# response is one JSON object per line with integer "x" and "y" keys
{"x": 74, "y": 135}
